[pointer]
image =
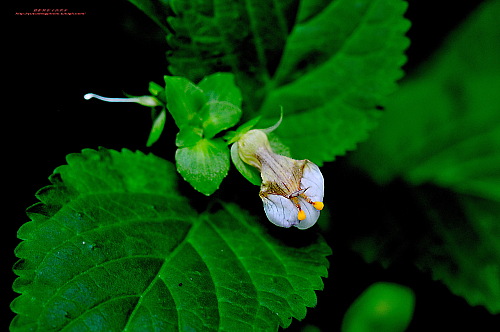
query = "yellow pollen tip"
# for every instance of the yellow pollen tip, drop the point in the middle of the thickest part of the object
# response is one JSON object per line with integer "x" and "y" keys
{"x": 318, "y": 205}
{"x": 301, "y": 215}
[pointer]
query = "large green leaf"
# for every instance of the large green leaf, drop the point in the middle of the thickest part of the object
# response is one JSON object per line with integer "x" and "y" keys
{"x": 242, "y": 37}
{"x": 443, "y": 127}
{"x": 338, "y": 66}
{"x": 112, "y": 246}
{"x": 330, "y": 64}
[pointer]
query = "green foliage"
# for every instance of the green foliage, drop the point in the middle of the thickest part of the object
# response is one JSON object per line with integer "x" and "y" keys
{"x": 328, "y": 63}
{"x": 112, "y": 246}
{"x": 222, "y": 108}
{"x": 204, "y": 165}
{"x": 382, "y": 306}
{"x": 157, "y": 128}
{"x": 245, "y": 38}
{"x": 443, "y": 127}
{"x": 201, "y": 112}
{"x": 184, "y": 100}
{"x": 159, "y": 116}
{"x": 339, "y": 63}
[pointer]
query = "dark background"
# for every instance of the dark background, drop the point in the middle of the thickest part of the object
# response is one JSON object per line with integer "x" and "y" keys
{"x": 53, "y": 61}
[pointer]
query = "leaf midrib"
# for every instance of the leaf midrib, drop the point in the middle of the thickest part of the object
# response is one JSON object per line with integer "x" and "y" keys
{"x": 166, "y": 260}
{"x": 270, "y": 248}
{"x": 100, "y": 265}
{"x": 120, "y": 222}
{"x": 279, "y": 77}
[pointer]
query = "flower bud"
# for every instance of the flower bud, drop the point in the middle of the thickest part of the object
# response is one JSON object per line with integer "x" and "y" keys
{"x": 143, "y": 100}
{"x": 292, "y": 190}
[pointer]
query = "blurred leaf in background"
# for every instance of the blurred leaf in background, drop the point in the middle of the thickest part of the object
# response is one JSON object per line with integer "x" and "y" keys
{"x": 441, "y": 134}
{"x": 383, "y": 306}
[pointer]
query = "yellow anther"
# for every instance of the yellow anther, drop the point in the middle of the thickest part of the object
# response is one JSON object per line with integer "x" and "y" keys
{"x": 301, "y": 215}
{"x": 318, "y": 205}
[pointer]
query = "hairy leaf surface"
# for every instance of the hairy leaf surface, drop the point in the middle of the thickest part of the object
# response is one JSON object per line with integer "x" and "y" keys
{"x": 113, "y": 246}
{"x": 204, "y": 164}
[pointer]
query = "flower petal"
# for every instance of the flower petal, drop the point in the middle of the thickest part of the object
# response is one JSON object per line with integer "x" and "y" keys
{"x": 313, "y": 181}
{"x": 312, "y": 215}
{"x": 280, "y": 211}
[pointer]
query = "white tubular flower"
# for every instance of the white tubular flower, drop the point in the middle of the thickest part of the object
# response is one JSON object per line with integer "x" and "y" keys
{"x": 292, "y": 190}
{"x": 143, "y": 100}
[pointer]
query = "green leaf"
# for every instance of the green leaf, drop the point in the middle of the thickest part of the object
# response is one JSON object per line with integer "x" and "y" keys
{"x": 113, "y": 246}
{"x": 463, "y": 249}
{"x": 157, "y": 129}
{"x": 221, "y": 87}
{"x": 478, "y": 283}
{"x": 188, "y": 136}
{"x": 223, "y": 109}
{"x": 245, "y": 38}
{"x": 201, "y": 112}
{"x": 158, "y": 91}
{"x": 284, "y": 277}
{"x": 383, "y": 306}
{"x": 338, "y": 66}
{"x": 184, "y": 100}
{"x": 330, "y": 64}
{"x": 218, "y": 116}
{"x": 213, "y": 105}
{"x": 443, "y": 127}
{"x": 204, "y": 165}
{"x": 96, "y": 243}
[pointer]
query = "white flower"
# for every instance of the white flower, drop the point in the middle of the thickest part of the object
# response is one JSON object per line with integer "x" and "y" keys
{"x": 143, "y": 100}
{"x": 292, "y": 190}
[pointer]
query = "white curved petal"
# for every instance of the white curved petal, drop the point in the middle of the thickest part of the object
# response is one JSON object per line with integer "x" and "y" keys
{"x": 312, "y": 215}
{"x": 313, "y": 181}
{"x": 280, "y": 210}
{"x": 143, "y": 100}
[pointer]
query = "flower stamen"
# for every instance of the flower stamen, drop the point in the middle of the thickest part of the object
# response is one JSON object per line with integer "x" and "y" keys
{"x": 318, "y": 205}
{"x": 297, "y": 193}
{"x": 285, "y": 182}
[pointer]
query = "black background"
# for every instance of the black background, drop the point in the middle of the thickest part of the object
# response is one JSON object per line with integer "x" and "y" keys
{"x": 53, "y": 61}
